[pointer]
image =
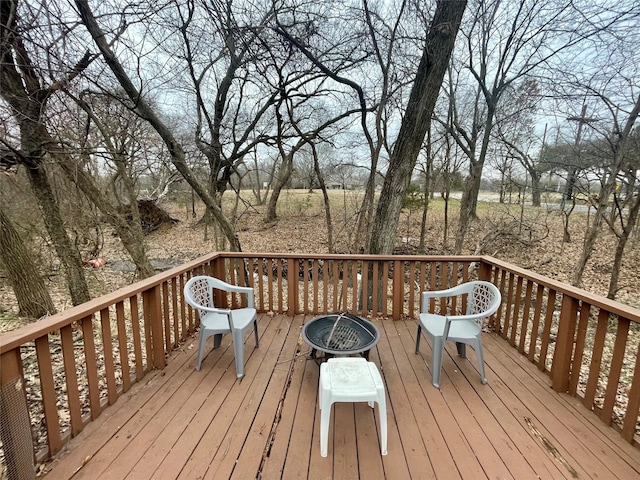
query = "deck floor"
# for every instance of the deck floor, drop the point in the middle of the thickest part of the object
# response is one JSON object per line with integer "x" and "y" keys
{"x": 179, "y": 423}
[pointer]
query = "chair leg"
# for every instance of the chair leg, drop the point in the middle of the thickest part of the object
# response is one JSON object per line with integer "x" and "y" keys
{"x": 217, "y": 340}
{"x": 325, "y": 416}
{"x": 201, "y": 344}
{"x": 418, "y": 338}
{"x": 255, "y": 332}
{"x": 382, "y": 412}
{"x": 436, "y": 362}
{"x": 480, "y": 357}
{"x": 238, "y": 351}
{"x": 324, "y": 403}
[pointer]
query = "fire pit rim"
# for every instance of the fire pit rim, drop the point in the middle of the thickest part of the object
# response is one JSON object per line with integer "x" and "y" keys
{"x": 366, "y": 324}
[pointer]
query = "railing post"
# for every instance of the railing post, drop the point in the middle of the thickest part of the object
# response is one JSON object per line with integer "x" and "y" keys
{"x": 153, "y": 320}
{"x": 561, "y": 366}
{"x": 292, "y": 287}
{"x": 15, "y": 427}
{"x": 484, "y": 271}
{"x": 398, "y": 290}
{"x": 219, "y": 270}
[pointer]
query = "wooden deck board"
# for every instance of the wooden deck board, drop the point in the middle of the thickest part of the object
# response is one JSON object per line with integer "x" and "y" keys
{"x": 466, "y": 463}
{"x": 273, "y": 463}
{"x": 572, "y": 441}
{"x": 442, "y": 462}
{"x": 305, "y": 424}
{"x": 518, "y": 446}
{"x": 598, "y": 455}
{"x": 178, "y": 423}
{"x": 415, "y": 452}
{"x": 216, "y": 442}
{"x": 493, "y": 417}
{"x": 259, "y": 437}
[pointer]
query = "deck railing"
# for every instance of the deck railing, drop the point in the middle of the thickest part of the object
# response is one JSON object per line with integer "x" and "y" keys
{"x": 61, "y": 372}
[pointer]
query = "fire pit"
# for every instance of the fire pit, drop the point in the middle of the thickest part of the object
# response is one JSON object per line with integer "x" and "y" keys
{"x": 340, "y": 334}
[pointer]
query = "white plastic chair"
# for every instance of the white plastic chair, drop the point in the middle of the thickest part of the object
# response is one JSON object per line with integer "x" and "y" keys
{"x": 483, "y": 300}
{"x": 214, "y": 321}
{"x": 350, "y": 379}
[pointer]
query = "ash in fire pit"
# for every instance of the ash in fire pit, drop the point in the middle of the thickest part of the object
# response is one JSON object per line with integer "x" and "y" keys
{"x": 340, "y": 334}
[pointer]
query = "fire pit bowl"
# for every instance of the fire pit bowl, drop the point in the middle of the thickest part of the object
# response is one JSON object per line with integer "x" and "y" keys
{"x": 340, "y": 334}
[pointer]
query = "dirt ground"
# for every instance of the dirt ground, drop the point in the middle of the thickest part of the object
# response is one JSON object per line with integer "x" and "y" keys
{"x": 531, "y": 239}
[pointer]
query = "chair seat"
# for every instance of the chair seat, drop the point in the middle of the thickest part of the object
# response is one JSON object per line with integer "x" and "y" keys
{"x": 434, "y": 325}
{"x": 242, "y": 318}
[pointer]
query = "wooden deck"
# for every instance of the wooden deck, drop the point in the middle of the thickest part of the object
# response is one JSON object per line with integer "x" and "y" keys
{"x": 179, "y": 423}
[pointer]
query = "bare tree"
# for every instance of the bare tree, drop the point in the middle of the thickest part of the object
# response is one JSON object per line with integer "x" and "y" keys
{"x": 343, "y": 56}
{"x": 225, "y": 128}
{"x": 505, "y": 42}
{"x": 623, "y": 125}
{"x": 325, "y": 196}
{"x": 516, "y": 130}
{"x": 448, "y": 164}
{"x": 117, "y": 142}
{"x": 606, "y": 97}
{"x": 301, "y": 139}
{"x": 24, "y": 88}
{"x": 437, "y": 50}
{"x": 145, "y": 111}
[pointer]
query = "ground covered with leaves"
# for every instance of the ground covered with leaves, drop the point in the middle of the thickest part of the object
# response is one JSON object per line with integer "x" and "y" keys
{"x": 532, "y": 239}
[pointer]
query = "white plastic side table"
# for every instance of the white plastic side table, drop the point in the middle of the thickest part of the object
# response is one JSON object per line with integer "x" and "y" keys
{"x": 350, "y": 379}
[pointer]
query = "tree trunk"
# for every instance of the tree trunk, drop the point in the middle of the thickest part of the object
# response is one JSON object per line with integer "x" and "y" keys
{"x": 283, "y": 177}
{"x": 22, "y": 89}
{"x": 363, "y": 225}
{"x": 325, "y": 196}
{"x": 433, "y": 64}
{"x": 31, "y": 293}
{"x": 67, "y": 253}
{"x": 566, "y": 217}
{"x": 427, "y": 188}
{"x": 503, "y": 188}
{"x": 535, "y": 190}
{"x": 468, "y": 203}
{"x": 587, "y": 249}
{"x": 632, "y": 220}
{"x": 425, "y": 207}
{"x": 446, "y": 194}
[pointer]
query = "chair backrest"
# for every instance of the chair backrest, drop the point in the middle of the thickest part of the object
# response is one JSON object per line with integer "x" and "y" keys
{"x": 484, "y": 298}
{"x": 199, "y": 292}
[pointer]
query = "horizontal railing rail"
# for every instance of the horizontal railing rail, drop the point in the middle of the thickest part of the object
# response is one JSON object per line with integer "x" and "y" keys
{"x": 59, "y": 373}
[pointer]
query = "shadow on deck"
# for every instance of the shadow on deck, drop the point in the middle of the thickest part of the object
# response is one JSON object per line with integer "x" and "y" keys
{"x": 179, "y": 423}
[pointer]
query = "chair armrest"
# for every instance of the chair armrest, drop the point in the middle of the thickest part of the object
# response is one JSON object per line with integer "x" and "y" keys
{"x": 248, "y": 291}
{"x": 449, "y": 292}
{"x": 475, "y": 316}
{"x": 233, "y": 288}
{"x": 223, "y": 311}
{"x": 227, "y": 287}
